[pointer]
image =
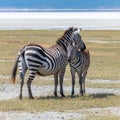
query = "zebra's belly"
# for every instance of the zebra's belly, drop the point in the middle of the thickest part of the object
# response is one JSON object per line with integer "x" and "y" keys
{"x": 46, "y": 72}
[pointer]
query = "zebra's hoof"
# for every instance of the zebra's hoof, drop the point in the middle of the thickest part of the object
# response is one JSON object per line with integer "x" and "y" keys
{"x": 20, "y": 97}
{"x": 55, "y": 94}
{"x": 72, "y": 94}
{"x": 81, "y": 94}
{"x": 62, "y": 95}
{"x": 83, "y": 91}
{"x": 31, "y": 98}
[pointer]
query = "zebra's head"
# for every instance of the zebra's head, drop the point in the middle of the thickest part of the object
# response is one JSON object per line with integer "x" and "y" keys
{"x": 71, "y": 37}
{"x": 79, "y": 43}
{"x": 72, "y": 53}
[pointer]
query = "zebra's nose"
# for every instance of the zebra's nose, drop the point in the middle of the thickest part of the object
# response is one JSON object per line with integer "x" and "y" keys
{"x": 69, "y": 59}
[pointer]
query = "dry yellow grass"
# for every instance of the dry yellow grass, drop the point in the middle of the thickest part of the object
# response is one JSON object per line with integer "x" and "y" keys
{"x": 105, "y": 64}
{"x": 104, "y": 56}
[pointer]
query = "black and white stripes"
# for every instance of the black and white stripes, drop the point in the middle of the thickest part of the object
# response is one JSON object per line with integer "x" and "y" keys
{"x": 79, "y": 62}
{"x": 43, "y": 61}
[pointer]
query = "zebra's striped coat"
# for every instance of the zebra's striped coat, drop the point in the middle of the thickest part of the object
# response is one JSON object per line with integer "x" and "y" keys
{"x": 79, "y": 62}
{"x": 43, "y": 61}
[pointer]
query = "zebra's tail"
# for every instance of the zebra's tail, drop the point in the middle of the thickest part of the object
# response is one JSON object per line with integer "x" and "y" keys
{"x": 14, "y": 71}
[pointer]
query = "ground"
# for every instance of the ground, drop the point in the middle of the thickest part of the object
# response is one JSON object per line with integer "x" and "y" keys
{"x": 101, "y": 101}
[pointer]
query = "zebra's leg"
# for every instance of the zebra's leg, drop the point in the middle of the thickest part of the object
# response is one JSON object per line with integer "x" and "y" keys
{"x": 22, "y": 69}
{"x": 84, "y": 77}
{"x": 73, "y": 84}
{"x": 29, "y": 89}
{"x": 80, "y": 83}
{"x": 30, "y": 78}
{"x": 21, "y": 85}
{"x": 56, "y": 83}
{"x": 73, "y": 81}
{"x": 83, "y": 84}
{"x": 61, "y": 76}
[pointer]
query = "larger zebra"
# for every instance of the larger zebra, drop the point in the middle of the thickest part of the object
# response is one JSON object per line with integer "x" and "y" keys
{"x": 46, "y": 61}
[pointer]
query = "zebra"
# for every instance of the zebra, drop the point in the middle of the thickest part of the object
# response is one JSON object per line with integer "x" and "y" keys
{"x": 46, "y": 61}
{"x": 79, "y": 62}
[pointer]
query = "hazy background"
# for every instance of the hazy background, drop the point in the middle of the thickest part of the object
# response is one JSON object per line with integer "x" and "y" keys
{"x": 59, "y": 14}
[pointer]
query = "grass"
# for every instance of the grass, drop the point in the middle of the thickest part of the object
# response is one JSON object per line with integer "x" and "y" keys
{"x": 104, "y": 56}
{"x": 51, "y": 103}
{"x": 103, "y": 85}
{"x": 105, "y": 64}
{"x": 94, "y": 117}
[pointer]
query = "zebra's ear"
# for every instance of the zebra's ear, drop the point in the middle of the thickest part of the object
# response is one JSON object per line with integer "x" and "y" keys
{"x": 77, "y": 31}
{"x": 80, "y": 29}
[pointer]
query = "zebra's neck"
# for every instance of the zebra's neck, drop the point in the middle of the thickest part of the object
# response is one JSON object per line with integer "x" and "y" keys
{"x": 77, "y": 57}
{"x": 62, "y": 43}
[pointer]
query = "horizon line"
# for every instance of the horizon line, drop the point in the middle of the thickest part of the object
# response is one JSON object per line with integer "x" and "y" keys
{"x": 60, "y": 9}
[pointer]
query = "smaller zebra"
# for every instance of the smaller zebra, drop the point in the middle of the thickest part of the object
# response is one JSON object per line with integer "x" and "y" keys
{"x": 79, "y": 62}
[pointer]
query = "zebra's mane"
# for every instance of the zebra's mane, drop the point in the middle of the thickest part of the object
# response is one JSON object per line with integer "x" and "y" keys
{"x": 62, "y": 41}
{"x": 67, "y": 31}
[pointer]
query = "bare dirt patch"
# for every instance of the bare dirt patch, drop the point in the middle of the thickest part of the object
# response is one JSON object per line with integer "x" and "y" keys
{"x": 9, "y": 91}
{"x": 39, "y": 116}
{"x": 82, "y": 114}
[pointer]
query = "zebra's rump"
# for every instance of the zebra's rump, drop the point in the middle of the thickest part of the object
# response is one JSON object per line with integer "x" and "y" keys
{"x": 86, "y": 55}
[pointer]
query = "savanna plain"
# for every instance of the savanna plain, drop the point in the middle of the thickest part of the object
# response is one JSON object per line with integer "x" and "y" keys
{"x": 102, "y": 98}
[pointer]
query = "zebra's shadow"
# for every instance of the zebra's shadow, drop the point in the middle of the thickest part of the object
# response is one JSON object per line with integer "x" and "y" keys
{"x": 49, "y": 97}
{"x": 101, "y": 95}
{"x": 92, "y": 96}
{"x": 58, "y": 97}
